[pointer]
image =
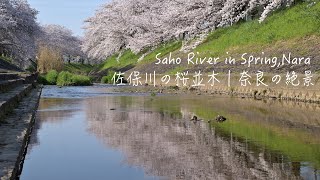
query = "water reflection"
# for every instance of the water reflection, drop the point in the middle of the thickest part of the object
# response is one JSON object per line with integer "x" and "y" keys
{"x": 156, "y": 134}
{"x": 61, "y": 148}
{"x": 143, "y": 137}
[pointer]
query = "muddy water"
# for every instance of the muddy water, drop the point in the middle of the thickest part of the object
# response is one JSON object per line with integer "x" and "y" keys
{"x": 92, "y": 133}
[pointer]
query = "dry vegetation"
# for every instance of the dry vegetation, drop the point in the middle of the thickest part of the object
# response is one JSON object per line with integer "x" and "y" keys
{"x": 49, "y": 59}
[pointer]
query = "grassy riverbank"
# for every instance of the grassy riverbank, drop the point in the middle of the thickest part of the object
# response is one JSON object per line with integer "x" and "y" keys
{"x": 293, "y": 30}
{"x": 77, "y": 68}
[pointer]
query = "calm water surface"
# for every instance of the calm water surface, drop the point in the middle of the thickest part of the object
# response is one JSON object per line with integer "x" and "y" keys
{"x": 93, "y": 133}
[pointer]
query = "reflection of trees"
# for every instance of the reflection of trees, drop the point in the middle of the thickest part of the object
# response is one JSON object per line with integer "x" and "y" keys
{"x": 34, "y": 141}
{"x": 53, "y": 111}
{"x": 54, "y": 116}
{"x": 165, "y": 146}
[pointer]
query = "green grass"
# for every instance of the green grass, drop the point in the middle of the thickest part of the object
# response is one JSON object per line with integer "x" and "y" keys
{"x": 296, "y": 22}
{"x": 291, "y": 24}
{"x": 128, "y": 58}
{"x": 108, "y": 79}
{"x": 176, "y": 70}
{"x": 77, "y": 68}
{"x": 164, "y": 49}
{"x": 68, "y": 79}
{"x": 288, "y": 25}
{"x": 64, "y": 78}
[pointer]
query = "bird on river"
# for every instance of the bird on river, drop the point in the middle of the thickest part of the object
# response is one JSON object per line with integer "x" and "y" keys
{"x": 195, "y": 118}
{"x": 220, "y": 118}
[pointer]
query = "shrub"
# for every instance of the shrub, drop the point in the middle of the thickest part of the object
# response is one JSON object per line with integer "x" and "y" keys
{"x": 80, "y": 80}
{"x": 49, "y": 59}
{"x": 108, "y": 79}
{"x": 64, "y": 79}
{"x": 42, "y": 80}
{"x": 52, "y": 77}
{"x": 104, "y": 80}
{"x": 68, "y": 79}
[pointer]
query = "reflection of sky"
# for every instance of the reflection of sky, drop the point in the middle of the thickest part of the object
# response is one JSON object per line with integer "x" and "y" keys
{"x": 307, "y": 172}
{"x": 70, "y": 13}
{"x": 71, "y": 92}
{"x": 67, "y": 151}
{"x": 76, "y": 92}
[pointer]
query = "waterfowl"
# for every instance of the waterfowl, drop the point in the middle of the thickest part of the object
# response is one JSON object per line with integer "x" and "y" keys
{"x": 220, "y": 118}
{"x": 194, "y": 118}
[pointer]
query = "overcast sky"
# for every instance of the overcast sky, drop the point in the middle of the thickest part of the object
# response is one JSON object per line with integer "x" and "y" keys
{"x": 69, "y": 13}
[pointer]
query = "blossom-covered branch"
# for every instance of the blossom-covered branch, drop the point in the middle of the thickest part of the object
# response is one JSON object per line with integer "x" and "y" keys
{"x": 135, "y": 25}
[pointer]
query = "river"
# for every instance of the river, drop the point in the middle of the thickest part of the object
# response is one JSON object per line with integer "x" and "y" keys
{"x": 94, "y": 133}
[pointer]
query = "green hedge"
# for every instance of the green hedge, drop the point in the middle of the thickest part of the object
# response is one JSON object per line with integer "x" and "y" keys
{"x": 64, "y": 78}
{"x": 52, "y": 77}
{"x": 108, "y": 79}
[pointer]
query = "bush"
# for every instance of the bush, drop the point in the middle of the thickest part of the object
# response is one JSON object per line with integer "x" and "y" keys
{"x": 52, "y": 77}
{"x": 80, "y": 80}
{"x": 49, "y": 59}
{"x": 68, "y": 79}
{"x": 42, "y": 80}
{"x": 64, "y": 79}
{"x": 104, "y": 80}
{"x": 108, "y": 79}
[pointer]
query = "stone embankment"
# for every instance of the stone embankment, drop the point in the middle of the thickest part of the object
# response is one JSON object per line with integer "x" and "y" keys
{"x": 19, "y": 97}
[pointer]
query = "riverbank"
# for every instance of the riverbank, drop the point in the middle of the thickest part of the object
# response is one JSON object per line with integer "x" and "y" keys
{"x": 281, "y": 91}
{"x": 292, "y": 31}
{"x": 19, "y": 99}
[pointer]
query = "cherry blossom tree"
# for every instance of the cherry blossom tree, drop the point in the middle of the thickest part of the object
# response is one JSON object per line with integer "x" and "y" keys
{"x": 21, "y": 36}
{"x": 236, "y": 10}
{"x": 18, "y": 30}
{"x": 61, "y": 39}
{"x": 131, "y": 24}
{"x": 135, "y": 25}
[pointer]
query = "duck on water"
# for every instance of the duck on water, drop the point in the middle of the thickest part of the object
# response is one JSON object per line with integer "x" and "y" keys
{"x": 218, "y": 119}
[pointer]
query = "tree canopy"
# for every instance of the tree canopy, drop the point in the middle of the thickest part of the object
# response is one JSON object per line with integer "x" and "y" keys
{"x": 135, "y": 25}
{"x": 21, "y": 35}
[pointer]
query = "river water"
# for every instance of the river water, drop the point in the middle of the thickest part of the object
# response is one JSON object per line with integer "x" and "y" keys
{"x": 93, "y": 133}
